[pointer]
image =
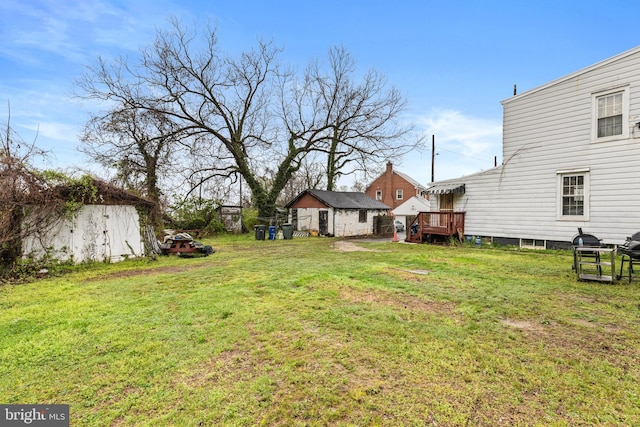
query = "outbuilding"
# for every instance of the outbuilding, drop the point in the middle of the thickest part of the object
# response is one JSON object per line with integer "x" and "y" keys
{"x": 335, "y": 213}
{"x": 105, "y": 228}
{"x": 408, "y": 210}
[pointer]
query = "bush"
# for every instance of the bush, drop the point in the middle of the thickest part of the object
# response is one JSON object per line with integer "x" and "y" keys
{"x": 214, "y": 226}
{"x": 249, "y": 219}
{"x": 193, "y": 213}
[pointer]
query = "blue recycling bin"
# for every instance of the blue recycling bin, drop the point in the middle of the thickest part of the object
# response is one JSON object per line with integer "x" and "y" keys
{"x": 272, "y": 232}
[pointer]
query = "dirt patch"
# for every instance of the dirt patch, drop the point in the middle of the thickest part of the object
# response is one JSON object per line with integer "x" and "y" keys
{"x": 523, "y": 325}
{"x": 397, "y": 300}
{"x": 146, "y": 271}
{"x": 576, "y": 339}
{"x": 228, "y": 367}
{"x": 414, "y": 275}
{"x": 348, "y": 246}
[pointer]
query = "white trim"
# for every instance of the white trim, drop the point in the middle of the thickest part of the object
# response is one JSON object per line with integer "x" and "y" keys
{"x": 533, "y": 244}
{"x": 586, "y": 196}
{"x": 572, "y": 171}
{"x": 624, "y": 89}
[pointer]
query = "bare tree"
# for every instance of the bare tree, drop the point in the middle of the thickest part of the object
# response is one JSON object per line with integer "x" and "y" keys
{"x": 142, "y": 145}
{"x": 227, "y": 105}
{"x": 358, "y": 118}
{"x": 217, "y": 99}
{"x": 310, "y": 175}
{"x": 24, "y": 192}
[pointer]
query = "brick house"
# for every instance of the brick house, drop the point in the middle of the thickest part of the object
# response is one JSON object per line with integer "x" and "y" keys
{"x": 394, "y": 188}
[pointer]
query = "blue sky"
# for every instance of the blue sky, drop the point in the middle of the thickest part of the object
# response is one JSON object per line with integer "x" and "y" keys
{"x": 453, "y": 60}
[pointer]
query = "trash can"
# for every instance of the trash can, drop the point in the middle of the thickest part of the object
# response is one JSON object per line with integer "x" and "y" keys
{"x": 287, "y": 231}
{"x": 259, "y": 230}
{"x": 272, "y": 232}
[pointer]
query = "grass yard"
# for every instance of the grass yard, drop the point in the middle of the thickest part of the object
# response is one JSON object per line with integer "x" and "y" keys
{"x": 315, "y": 331}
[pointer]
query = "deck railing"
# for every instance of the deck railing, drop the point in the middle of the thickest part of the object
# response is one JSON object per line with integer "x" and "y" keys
{"x": 438, "y": 223}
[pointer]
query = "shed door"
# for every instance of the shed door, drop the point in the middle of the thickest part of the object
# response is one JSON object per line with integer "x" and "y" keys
{"x": 323, "y": 223}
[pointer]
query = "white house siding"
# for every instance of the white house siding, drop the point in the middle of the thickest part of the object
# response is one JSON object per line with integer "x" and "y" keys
{"x": 549, "y": 129}
{"x": 95, "y": 233}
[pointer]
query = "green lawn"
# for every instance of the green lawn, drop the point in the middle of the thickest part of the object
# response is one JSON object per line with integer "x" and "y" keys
{"x": 304, "y": 332}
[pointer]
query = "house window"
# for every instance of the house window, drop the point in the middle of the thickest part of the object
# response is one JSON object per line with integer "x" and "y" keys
{"x": 362, "y": 217}
{"x": 532, "y": 244}
{"x": 378, "y": 194}
{"x": 574, "y": 195}
{"x": 611, "y": 111}
{"x": 399, "y": 194}
{"x": 610, "y": 115}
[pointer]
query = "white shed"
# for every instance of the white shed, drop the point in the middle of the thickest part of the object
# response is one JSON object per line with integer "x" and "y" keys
{"x": 335, "y": 213}
{"x": 109, "y": 230}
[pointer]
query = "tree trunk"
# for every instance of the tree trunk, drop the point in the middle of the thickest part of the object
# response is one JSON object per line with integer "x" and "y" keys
{"x": 331, "y": 165}
{"x": 153, "y": 193}
{"x": 11, "y": 250}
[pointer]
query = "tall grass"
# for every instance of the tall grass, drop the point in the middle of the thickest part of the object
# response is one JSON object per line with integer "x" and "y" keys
{"x": 300, "y": 332}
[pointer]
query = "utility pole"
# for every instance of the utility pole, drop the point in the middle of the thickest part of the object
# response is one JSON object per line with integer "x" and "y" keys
{"x": 433, "y": 156}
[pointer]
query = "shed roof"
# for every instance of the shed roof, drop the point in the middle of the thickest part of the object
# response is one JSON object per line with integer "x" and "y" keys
{"x": 343, "y": 199}
{"x": 106, "y": 194}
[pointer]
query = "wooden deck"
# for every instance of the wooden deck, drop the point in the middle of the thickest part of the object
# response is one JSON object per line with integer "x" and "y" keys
{"x": 429, "y": 225}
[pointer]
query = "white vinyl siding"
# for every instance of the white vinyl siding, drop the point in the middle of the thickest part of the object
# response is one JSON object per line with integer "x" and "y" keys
{"x": 549, "y": 131}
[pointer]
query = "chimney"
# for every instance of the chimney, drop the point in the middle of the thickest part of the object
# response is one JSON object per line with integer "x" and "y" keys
{"x": 387, "y": 197}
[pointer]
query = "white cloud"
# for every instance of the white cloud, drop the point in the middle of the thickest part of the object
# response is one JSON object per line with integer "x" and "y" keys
{"x": 73, "y": 30}
{"x": 464, "y": 145}
{"x": 465, "y": 135}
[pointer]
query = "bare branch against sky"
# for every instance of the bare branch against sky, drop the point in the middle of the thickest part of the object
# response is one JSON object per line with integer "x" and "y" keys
{"x": 454, "y": 63}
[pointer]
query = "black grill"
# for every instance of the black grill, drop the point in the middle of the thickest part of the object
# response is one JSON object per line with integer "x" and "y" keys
{"x": 629, "y": 250}
{"x": 588, "y": 241}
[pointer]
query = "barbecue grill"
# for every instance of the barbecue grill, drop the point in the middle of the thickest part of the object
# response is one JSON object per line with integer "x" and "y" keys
{"x": 588, "y": 241}
{"x": 629, "y": 250}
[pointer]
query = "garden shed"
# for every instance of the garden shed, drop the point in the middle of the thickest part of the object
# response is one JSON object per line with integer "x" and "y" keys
{"x": 335, "y": 213}
{"x": 105, "y": 227}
